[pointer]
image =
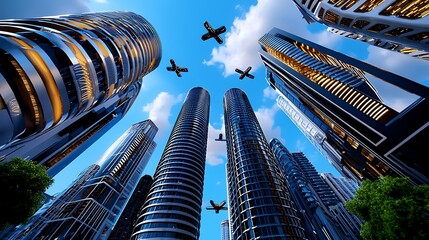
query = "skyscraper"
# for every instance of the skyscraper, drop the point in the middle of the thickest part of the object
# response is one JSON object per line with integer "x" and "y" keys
{"x": 260, "y": 206}
{"x": 64, "y": 81}
{"x": 344, "y": 188}
{"x": 125, "y": 224}
{"x": 224, "y": 230}
{"x": 401, "y": 26}
{"x": 313, "y": 197}
{"x": 50, "y": 208}
{"x": 91, "y": 208}
{"x": 364, "y": 136}
{"x": 173, "y": 206}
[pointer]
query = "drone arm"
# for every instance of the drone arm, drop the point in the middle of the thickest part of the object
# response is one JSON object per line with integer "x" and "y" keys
{"x": 205, "y": 36}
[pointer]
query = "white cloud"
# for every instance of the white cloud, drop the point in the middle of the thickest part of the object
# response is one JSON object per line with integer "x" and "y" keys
{"x": 241, "y": 41}
{"x": 100, "y": 1}
{"x": 40, "y": 8}
{"x": 160, "y": 110}
{"x": 216, "y": 150}
{"x": 266, "y": 120}
{"x": 401, "y": 64}
{"x": 300, "y": 145}
{"x": 406, "y": 66}
{"x": 270, "y": 93}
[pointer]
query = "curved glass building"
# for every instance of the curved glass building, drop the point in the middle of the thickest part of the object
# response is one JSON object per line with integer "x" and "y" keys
{"x": 173, "y": 206}
{"x": 65, "y": 80}
{"x": 260, "y": 205}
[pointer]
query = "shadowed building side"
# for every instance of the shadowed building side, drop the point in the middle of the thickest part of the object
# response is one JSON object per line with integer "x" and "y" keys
{"x": 64, "y": 81}
{"x": 125, "y": 224}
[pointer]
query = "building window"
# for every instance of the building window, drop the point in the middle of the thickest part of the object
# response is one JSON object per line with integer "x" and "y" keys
{"x": 360, "y": 24}
{"x": 346, "y": 21}
{"x": 367, "y": 154}
{"x": 349, "y": 4}
{"x": 378, "y": 27}
{"x": 332, "y": 17}
{"x": 352, "y": 142}
{"x": 418, "y": 36}
{"x": 321, "y": 12}
{"x": 407, "y": 9}
{"x": 407, "y": 50}
{"x": 340, "y": 3}
{"x": 338, "y": 131}
{"x": 369, "y": 5}
{"x": 398, "y": 31}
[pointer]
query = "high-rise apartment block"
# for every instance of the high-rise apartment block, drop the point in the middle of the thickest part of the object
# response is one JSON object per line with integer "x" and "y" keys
{"x": 64, "y": 81}
{"x": 313, "y": 197}
{"x": 401, "y": 26}
{"x": 125, "y": 224}
{"x": 91, "y": 207}
{"x": 224, "y": 230}
{"x": 335, "y": 100}
{"x": 173, "y": 205}
{"x": 260, "y": 205}
{"x": 344, "y": 188}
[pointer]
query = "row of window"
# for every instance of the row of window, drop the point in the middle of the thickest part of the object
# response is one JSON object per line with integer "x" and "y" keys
{"x": 375, "y": 28}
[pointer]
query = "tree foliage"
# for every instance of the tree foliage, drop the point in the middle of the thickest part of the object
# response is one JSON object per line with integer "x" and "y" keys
{"x": 392, "y": 209}
{"x": 22, "y": 184}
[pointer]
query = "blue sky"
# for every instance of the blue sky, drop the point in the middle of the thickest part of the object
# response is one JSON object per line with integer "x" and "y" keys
{"x": 180, "y": 26}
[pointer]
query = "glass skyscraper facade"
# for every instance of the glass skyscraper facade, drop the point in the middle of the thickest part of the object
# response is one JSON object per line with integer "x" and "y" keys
{"x": 365, "y": 137}
{"x": 260, "y": 205}
{"x": 401, "y": 26}
{"x": 344, "y": 188}
{"x": 313, "y": 197}
{"x": 224, "y": 230}
{"x": 92, "y": 207}
{"x": 125, "y": 224}
{"x": 173, "y": 206}
{"x": 64, "y": 81}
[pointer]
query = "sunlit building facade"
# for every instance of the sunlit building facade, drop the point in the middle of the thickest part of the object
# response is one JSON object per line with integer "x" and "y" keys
{"x": 64, "y": 81}
{"x": 125, "y": 224}
{"x": 173, "y": 205}
{"x": 365, "y": 136}
{"x": 401, "y": 26}
{"x": 91, "y": 208}
{"x": 313, "y": 197}
{"x": 259, "y": 202}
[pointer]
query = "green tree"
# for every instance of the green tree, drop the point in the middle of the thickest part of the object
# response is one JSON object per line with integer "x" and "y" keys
{"x": 392, "y": 209}
{"x": 22, "y": 184}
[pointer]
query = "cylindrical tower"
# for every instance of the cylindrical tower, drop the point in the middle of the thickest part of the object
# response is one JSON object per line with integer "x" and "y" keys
{"x": 173, "y": 206}
{"x": 259, "y": 201}
{"x": 61, "y": 73}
